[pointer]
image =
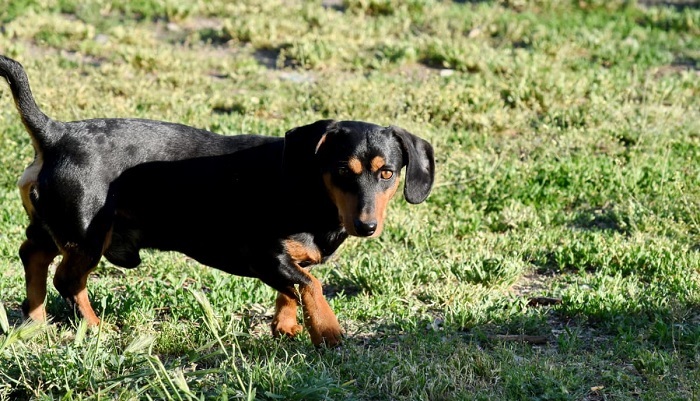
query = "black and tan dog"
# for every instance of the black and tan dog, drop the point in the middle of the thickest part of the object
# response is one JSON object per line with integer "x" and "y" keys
{"x": 249, "y": 205}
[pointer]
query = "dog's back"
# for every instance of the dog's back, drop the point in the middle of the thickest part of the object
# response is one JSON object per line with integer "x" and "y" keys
{"x": 224, "y": 200}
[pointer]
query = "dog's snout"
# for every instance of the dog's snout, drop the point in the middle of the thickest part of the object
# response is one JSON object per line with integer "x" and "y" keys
{"x": 365, "y": 228}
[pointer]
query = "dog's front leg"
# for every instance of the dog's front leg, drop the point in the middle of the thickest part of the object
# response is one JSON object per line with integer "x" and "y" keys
{"x": 297, "y": 286}
{"x": 319, "y": 318}
{"x": 285, "y": 320}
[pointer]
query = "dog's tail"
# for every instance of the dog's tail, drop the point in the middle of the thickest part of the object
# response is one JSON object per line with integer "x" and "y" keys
{"x": 33, "y": 118}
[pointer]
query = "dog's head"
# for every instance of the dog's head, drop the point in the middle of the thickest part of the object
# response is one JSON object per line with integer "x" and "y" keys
{"x": 360, "y": 164}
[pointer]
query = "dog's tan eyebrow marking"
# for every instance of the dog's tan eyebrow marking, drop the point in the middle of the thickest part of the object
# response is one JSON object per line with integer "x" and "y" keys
{"x": 355, "y": 165}
{"x": 377, "y": 163}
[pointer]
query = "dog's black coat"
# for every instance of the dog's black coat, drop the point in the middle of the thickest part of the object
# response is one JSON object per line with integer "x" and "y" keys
{"x": 230, "y": 212}
{"x": 249, "y": 205}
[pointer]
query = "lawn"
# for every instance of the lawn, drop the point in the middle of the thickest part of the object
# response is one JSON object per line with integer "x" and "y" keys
{"x": 557, "y": 258}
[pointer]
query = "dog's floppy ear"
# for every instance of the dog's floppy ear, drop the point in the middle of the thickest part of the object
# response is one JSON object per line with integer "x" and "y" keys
{"x": 301, "y": 143}
{"x": 420, "y": 165}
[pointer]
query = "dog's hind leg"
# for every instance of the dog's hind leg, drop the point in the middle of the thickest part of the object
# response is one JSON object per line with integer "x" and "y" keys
{"x": 37, "y": 252}
{"x": 71, "y": 280}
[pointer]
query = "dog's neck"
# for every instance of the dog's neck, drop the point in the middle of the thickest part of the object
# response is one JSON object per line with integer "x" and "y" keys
{"x": 311, "y": 210}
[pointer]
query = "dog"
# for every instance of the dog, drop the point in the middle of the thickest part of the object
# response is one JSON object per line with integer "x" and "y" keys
{"x": 250, "y": 205}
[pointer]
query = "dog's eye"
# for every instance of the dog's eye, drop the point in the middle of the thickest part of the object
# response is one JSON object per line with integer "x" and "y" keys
{"x": 343, "y": 171}
{"x": 386, "y": 174}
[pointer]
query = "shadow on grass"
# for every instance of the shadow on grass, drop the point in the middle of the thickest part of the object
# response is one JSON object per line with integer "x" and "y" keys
{"x": 604, "y": 218}
{"x": 686, "y": 63}
{"x": 621, "y": 348}
{"x": 267, "y": 57}
{"x": 679, "y": 5}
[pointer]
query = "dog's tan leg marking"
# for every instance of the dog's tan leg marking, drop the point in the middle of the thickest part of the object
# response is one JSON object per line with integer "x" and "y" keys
{"x": 84, "y": 307}
{"x": 319, "y": 318}
{"x": 36, "y": 267}
{"x": 285, "y": 320}
{"x": 35, "y": 259}
{"x": 71, "y": 281}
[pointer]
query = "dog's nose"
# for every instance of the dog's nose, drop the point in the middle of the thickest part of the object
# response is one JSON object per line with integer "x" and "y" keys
{"x": 365, "y": 228}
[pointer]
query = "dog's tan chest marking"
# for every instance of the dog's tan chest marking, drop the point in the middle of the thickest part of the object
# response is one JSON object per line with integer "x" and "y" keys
{"x": 300, "y": 252}
{"x": 27, "y": 183}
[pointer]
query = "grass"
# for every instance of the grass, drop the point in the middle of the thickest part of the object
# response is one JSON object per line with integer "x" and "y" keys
{"x": 567, "y": 142}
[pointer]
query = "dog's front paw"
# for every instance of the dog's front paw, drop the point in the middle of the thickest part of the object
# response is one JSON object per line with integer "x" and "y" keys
{"x": 319, "y": 318}
{"x": 288, "y": 328}
{"x": 285, "y": 320}
{"x": 326, "y": 333}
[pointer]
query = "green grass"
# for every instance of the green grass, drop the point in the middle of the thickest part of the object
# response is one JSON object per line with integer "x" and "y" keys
{"x": 567, "y": 137}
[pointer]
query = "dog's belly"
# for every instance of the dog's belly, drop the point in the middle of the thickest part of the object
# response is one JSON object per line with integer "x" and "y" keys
{"x": 232, "y": 255}
{"x": 123, "y": 249}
